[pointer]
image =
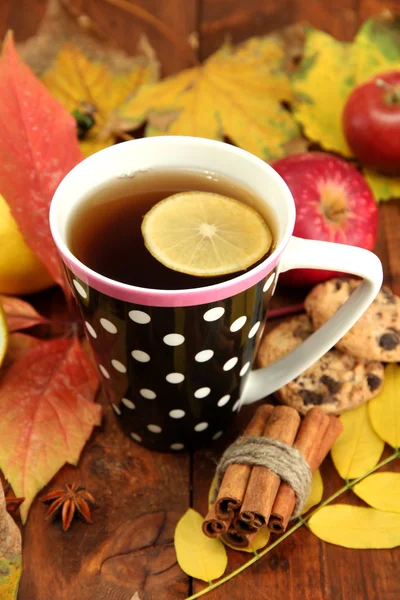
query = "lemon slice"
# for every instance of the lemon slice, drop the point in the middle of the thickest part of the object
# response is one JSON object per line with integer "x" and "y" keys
{"x": 3, "y": 335}
{"x": 205, "y": 234}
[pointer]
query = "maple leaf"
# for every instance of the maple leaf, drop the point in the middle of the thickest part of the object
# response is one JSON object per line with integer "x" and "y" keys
{"x": 90, "y": 90}
{"x": 10, "y": 552}
{"x": 47, "y": 414}
{"x": 237, "y": 93}
{"x": 20, "y": 314}
{"x": 38, "y": 147}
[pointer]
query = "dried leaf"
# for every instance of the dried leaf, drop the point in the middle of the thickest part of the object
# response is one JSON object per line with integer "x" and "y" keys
{"x": 235, "y": 93}
{"x": 321, "y": 87}
{"x": 377, "y": 47}
{"x": 46, "y": 414}
{"x": 358, "y": 448}
{"x": 356, "y": 527}
{"x": 79, "y": 83}
{"x": 383, "y": 187}
{"x": 198, "y": 555}
{"x": 384, "y": 409}
{"x": 381, "y": 491}
{"x": 317, "y": 491}
{"x": 20, "y": 314}
{"x": 18, "y": 345}
{"x": 63, "y": 24}
{"x": 37, "y": 148}
{"x": 10, "y": 553}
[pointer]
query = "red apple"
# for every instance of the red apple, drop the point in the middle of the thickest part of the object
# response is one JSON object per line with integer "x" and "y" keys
{"x": 371, "y": 122}
{"x": 333, "y": 203}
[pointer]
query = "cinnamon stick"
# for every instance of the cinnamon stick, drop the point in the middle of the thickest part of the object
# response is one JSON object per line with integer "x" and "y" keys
{"x": 214, "y": 526}
{"x": 263, "y": 485}
{"x": 234, "y": 482}
{"x": 316, "y": 437}
{"x": 236, "y": 539}
{"x": 308, "y": 442}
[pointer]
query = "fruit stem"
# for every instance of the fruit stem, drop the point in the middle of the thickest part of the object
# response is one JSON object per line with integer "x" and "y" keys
{"x": 393, "y": 96}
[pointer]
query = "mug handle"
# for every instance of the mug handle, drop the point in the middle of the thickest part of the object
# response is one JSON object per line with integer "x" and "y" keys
{"x": 312, "y": 254}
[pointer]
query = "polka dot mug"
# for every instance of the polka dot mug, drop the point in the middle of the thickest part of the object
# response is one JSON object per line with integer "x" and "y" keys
{"x": 177, "y": 364}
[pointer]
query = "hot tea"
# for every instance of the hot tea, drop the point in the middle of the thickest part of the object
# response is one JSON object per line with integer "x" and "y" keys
{"x": 105, "y": 231}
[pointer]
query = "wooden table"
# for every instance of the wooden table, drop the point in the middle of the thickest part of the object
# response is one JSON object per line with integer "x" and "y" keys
{"x": 129, "y": 548}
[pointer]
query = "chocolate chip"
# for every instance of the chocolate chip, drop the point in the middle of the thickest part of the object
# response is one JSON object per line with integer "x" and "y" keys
{"x": 310, "y": 397}
{"x": 332, "y": 385}
{"x": 301, "y": 333}
{"x": 338, "y": 285}
{"x": 373, "y": 381}
{"x": 339, "y": 282}
{"x": 388, "y": 294}
{"x": 389, "y": 341}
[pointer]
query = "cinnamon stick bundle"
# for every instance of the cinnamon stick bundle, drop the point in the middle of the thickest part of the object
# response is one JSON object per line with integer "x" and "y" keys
{"x": 263, "y": 485}
{"x": 315, "y": 438}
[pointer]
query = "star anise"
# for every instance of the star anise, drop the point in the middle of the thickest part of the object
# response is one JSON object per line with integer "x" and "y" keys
{"x": 69, "y": 500}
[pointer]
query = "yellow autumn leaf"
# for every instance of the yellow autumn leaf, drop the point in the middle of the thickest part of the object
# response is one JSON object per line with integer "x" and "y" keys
{"x": 235, "y": 93}
{"x": 356, "y": 527}
{"x": 381, "y": 491}
{"x": 89, "y": 87}
{"x": 317, "y": 491}
{"x": 198, "y": 555}
{"x": 377, "y": 47}
{"x": 358, "y": 448}
{"x": 383, "y": 187}
{"x": 384, "y": 409}
{"x": 321, "y": 87}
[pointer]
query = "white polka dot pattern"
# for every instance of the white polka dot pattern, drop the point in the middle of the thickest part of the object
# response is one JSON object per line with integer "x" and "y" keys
{"x": 204, "y": 356}
{"x": 175, "y": 377}
{"x": 128, "y": 403}
{"x": 217, "y": 435}
{"x": 148, "y": 394}
{"x": 136, "y": 437}
{"x": 202, "y": 392}
{"x": 118, "y": 366}
{"x": 91, "y": 330}
{"x": 173, "y": 339}
{"x": 177, "y": 446}
{"x": 232, "y": 362}
{"x": 177, "y": 413}
{"x": 236, "y": 406}
{"x": 269, "y": 282}
{"x": 201, "y": 426}
{"x": 214, "y": 313}
{"x": 254, "y": 329}
{"x": 104, "y": 372}
{"x": 224, "y": 400}
{"x": 244, "y": 369}
{"x": 238, "y": 324}
{"x": 108, "y": 326}
{"x": 140, "y": 356}
{"x": 116, "y": 409}
{"x": 80, "y": 289}
{"x": 140, "y": 317}
{"x": 154, "y": 428}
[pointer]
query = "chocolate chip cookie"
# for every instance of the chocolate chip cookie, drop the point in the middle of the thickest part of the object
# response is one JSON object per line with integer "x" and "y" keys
{"x": 337, "y": 382}
{"x": 376, "y": 335}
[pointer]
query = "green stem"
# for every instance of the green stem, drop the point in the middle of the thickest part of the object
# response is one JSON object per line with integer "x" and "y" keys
{"x": 348, "y": 486}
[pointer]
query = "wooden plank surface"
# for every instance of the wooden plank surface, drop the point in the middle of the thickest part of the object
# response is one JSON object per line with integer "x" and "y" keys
{"x": 140, "y": 494}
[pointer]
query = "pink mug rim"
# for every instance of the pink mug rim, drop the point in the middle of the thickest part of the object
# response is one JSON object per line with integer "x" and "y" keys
{"x": 181, "y": 297}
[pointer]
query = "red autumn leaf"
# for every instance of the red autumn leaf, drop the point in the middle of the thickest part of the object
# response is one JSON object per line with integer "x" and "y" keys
{"x": 38, "y": 146}
{"x": 47, "y": 414}
{"x": 18, "y": 345}
{"x": 20, "y": 314}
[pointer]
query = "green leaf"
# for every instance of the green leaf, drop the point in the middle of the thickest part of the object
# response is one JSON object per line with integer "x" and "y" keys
{"x": 321, "y": 87}
{"x": 381, "y": 491}
{"x": 356, "y": 527}
{"x": 377, "y": 47}
{"x": 198, "y": 555}
{"x": 358, "y": 448}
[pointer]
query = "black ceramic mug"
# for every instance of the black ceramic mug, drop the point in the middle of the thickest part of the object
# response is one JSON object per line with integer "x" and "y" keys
{"x": 177, "y": 364}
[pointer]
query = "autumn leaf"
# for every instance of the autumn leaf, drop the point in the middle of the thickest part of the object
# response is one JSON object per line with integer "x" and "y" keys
{"x": 384, "y": 409}
{"x": 356, "y": 527}
{"x": 358, "y": 447}
{"x": 37, "y": 148}
{"x": 79, "y": 83}
{"x": 198, "y": 555}
{"x": 46, "y": 414}
{"x": 20, "y": 314}
{"x": 316, "y": 493}
{"x": 18, "y": 345}
{"x": 237, "y": 93}
{"x": 381, "y": 491}
{"x": 383, "y": 186}
{"x": 321, "y": 87}
{"x": 10, "y": 553}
